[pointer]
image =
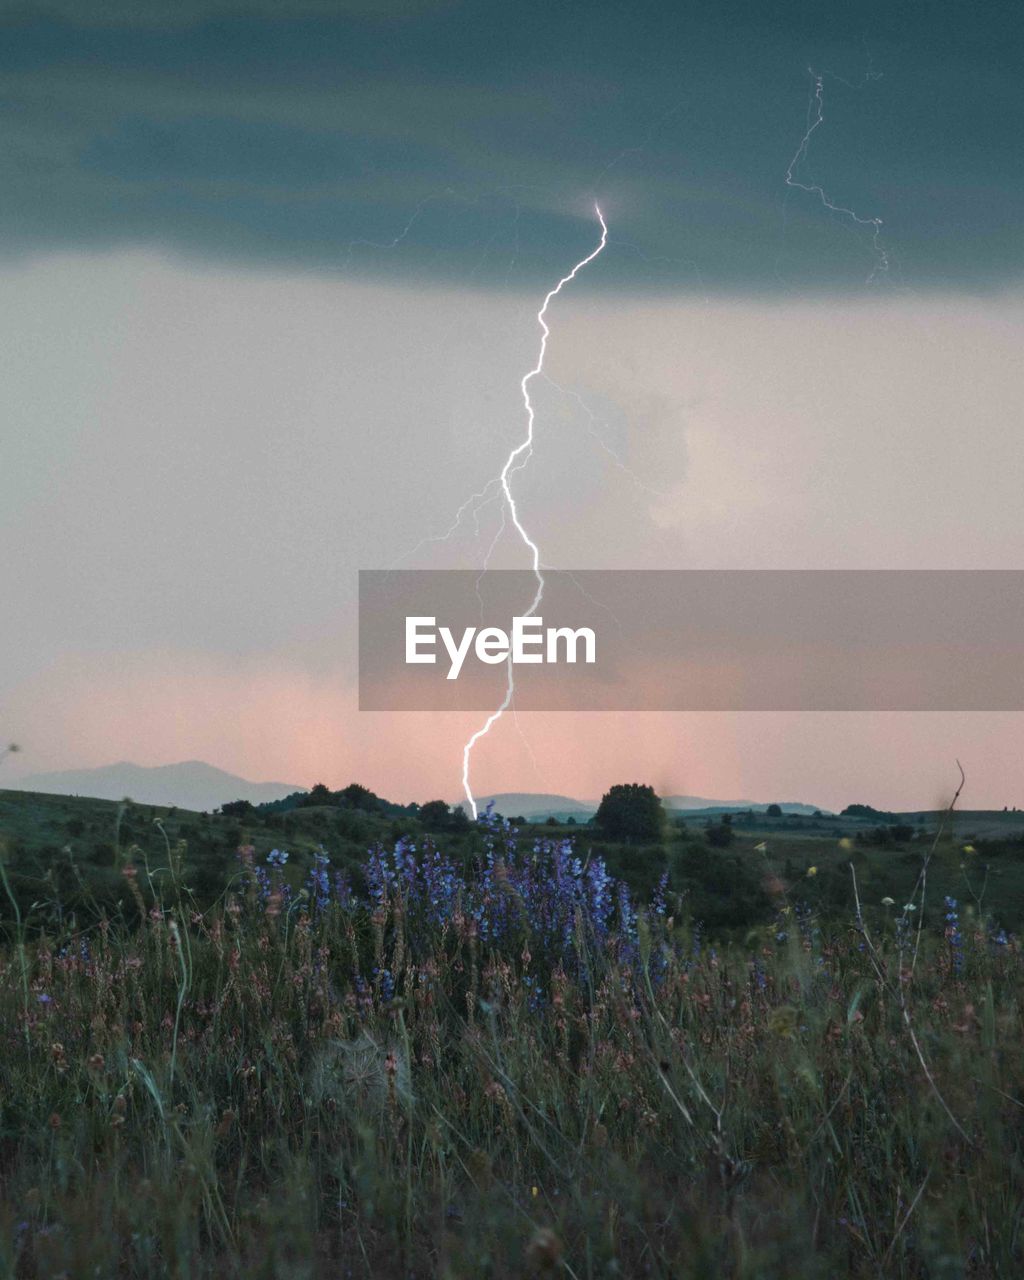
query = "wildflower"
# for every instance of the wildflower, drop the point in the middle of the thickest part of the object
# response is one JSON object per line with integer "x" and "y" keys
{"x": 954, "y": 936}
{"x": 812, "y": 871}
{"x": 277, "y": 857}
{"x": 43, "y": 998}
{"x": 969, "y": 848}
{"x": 888, "y": 902}
{"x": 319, "y": 884}
{"x": 909, "y": 906}
{"x": 386, "y": 981}
{"x": 535, "y": 1192}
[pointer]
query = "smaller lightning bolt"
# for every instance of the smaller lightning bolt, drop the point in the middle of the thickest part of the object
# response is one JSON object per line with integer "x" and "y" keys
{"x": 593, "y": 425}
{"x": 474, "y": 504}
{"x": 812, "y": 188}
{"x": 515, "y": 461}
{"x": 403, "y": 235}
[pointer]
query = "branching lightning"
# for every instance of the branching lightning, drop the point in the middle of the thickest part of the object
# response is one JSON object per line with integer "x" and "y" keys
{"x": 816, "y": 118}
{"x": 515, "y": 461}
{"x": 593, "y": 423}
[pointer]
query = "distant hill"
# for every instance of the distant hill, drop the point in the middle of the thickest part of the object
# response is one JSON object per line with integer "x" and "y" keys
{"x": 538, "y": 806}
{"x": 513, "y": 804}
{"x": 732, "y": 806}
{"x": 189, "y": 785}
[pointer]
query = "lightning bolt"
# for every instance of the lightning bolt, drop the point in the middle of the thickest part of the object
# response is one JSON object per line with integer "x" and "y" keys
{"x": 515, "y": 461}
{"x": 812, "y": 188}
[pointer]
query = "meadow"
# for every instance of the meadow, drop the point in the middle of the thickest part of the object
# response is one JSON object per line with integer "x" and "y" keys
{"x": 506, "y": 1063}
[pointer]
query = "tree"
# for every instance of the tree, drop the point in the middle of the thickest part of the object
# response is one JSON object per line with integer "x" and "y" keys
{"x": 631, "y": 811}
{"x": 236, "y": 809}
{"x": 355, "y": 796}
{"x": 318, "y": 795}
{"x": 459, "y": 820}
{"x": 435, "y": 815}
{"x": 863, "y": 811}
{"x": 774, "y": 811}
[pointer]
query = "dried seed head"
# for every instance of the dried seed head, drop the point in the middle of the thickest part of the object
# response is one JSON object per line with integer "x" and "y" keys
{"x": 227, "y": 1121}
{"x": 545, "y": 1250}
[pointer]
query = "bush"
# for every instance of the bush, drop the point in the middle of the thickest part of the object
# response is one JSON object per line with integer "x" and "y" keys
{"x": 719, "y": 835}
{"x": 722, "y": 891}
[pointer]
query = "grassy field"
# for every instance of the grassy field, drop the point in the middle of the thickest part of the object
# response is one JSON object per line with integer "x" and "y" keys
{"x": 500, "y": 1064}
{"x": 64, "y": 856}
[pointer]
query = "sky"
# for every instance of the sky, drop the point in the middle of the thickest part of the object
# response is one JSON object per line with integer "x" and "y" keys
{"x": 269, "y": 278}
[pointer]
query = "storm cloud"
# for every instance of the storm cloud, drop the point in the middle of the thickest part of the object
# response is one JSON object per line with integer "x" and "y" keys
{"x": 464, "y": 141}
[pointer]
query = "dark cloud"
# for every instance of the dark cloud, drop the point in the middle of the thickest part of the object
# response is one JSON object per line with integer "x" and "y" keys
{"x": 168, "y": 14}
{"x": 466, "y": 141}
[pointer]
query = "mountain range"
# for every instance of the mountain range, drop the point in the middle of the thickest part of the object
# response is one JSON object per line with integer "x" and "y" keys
{"x": 534, "y": 806}
{"x": 189, "y": 785}
{"x": 192, "y": 784}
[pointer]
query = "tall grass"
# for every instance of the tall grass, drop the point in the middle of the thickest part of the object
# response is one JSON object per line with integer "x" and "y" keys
{"x": 510, "y": 1073}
